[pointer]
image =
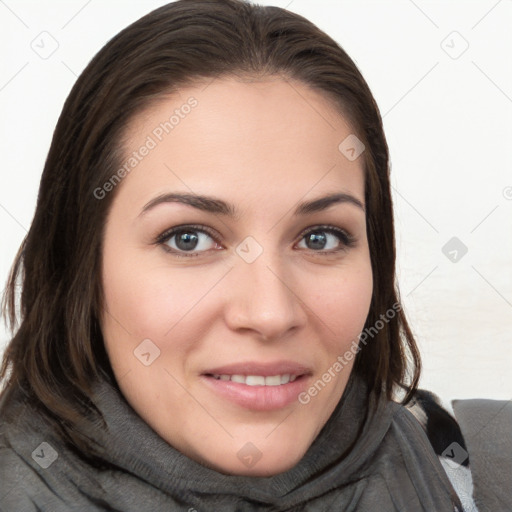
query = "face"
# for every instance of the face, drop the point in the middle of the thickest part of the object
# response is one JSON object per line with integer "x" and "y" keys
{"x": 224, "y": 313}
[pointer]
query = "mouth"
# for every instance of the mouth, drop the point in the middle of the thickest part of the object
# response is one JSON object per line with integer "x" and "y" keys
{"x": 257, "y": 380}
{"x": 258, "y": 386}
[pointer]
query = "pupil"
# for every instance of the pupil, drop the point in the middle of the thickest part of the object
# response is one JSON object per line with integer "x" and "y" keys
{"x": 317, "y": 241}
{"x": 185, "y": 241}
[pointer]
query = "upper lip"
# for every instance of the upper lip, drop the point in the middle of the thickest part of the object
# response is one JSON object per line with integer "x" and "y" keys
{"x": 260, "y": 368}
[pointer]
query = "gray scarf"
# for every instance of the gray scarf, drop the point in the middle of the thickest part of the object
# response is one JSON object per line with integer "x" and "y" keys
{"x": 362, "y": 460}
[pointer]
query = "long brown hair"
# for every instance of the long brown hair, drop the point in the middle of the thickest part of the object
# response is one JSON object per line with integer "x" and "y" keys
{"x": 57, "y": 348}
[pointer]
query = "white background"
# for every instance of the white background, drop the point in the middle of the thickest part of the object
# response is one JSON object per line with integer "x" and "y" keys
{"x": 448, "y": 119}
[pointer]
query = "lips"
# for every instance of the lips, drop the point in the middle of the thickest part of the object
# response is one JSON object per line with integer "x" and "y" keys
{"x": 258, "y": 386}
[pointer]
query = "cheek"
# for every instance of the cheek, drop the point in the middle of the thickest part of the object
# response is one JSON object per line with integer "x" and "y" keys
{"x": 147, "y": 301}
{"x": 343, "y": 303}
{"x": 139, "y": 296}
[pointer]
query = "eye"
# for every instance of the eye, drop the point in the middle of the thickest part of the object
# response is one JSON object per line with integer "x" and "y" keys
{"x": 327, "y": 239}
{"x": 181, "y": 240}
{"x": 190, "y": 240}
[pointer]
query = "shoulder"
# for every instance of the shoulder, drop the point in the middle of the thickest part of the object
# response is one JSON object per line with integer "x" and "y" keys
{"x": 447, "y": 440}
{"x": 34, "y": 463}
{"x": 20, "y": 486}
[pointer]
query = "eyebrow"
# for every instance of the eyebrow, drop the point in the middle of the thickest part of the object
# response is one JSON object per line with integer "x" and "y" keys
{"x": 220, "y": 207}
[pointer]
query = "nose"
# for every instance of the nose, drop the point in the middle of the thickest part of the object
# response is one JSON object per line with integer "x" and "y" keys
{"x": 264, "y": 297}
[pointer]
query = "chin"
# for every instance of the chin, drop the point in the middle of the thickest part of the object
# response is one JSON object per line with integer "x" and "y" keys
{"x": 269, "y": 469}
{"x": 268, "y": 461}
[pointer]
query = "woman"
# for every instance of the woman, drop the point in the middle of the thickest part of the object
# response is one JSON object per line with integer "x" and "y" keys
{"x": 209, "y": 317}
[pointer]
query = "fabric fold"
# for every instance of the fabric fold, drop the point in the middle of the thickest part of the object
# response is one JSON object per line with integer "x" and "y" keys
{"x": 364, "y": 458}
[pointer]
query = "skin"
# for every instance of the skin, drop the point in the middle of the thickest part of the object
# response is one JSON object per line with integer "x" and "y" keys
{"x": 263, "y": 146}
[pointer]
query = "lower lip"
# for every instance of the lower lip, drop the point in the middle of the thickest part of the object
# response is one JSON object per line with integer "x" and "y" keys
{"x": 258, "y": 398}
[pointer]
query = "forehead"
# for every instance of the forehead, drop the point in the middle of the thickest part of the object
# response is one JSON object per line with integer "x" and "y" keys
{"x": 270, "y": 136}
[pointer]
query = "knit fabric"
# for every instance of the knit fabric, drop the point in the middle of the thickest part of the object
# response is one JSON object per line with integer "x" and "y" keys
{"x": 362, "y": 460}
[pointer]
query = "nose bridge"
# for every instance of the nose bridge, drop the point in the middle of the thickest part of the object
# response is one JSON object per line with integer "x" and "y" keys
{"x": 263, "y": 297}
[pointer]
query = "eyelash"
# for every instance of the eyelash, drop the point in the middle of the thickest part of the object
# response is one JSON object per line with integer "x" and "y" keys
{"x": 345, "y": 238}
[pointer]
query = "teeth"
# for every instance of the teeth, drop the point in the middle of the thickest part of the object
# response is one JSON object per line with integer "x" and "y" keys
{"x": 255, "y": 380}
{"x": 258, "y": 380}
{"x": 275, "y": 380}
